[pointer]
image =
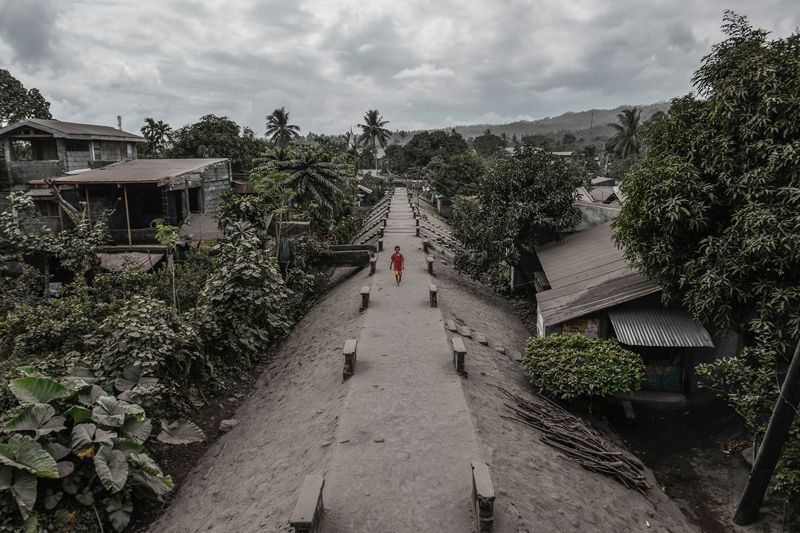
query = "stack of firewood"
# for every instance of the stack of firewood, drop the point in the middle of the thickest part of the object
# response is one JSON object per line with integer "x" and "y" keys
{"x": 570, "y": 435}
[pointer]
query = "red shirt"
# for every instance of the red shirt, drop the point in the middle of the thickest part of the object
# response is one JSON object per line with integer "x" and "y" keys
{"x": 397, "y": 261}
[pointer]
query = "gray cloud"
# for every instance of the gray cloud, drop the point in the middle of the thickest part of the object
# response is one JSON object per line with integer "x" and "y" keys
{"x": 423, "y": 64}
{"x": 29, "y": 30}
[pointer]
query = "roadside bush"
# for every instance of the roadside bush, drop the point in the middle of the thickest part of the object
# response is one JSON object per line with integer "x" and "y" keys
{"x": 244, "y": 302}
{"x": 303, "y": 276}
{"x": 57, "y": 325}
{"x": 26, "y": 288}
{"x": 80, "y": 443}
{"x": 146, "y": 332}
{"x": 568, "y": 367}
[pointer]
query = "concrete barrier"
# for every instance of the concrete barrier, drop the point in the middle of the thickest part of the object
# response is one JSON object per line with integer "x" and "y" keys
{"x": 350, "y": 357}
{"x": 430, "y": 264}
{"x": 459, "y": 354}
{"x": 380, "y": 244}
{"x": 432, "y": 292}
{"x": 372, "y": 262}
{"x": 482, "y": 498}
{"x": 364, "y": 297}
{"x": 308, "y": 512}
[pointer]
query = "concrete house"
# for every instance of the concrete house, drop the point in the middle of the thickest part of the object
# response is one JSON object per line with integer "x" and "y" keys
{"x": 132, "y": 195}
{"x": 36, "y": 149}
{"x": 584, "y": 286}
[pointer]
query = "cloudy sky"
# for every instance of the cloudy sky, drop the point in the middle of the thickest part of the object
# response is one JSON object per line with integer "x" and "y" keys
{"x": 422, "y": 63}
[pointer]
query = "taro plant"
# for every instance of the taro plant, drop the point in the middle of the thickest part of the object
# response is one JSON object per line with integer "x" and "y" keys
{"x": 575, "y": 366}
{"x": 82, "y": 441}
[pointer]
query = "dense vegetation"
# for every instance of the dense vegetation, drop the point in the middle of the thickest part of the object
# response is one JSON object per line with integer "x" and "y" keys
{"x": 574, "y": 366}
{"x": 712, "y": 215}
{"x": 521, "y": 202}
{"x": 18, "y": 103}
{"x": 104, "y": 375}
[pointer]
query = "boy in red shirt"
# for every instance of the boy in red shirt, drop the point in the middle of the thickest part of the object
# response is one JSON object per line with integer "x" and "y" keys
{"x": 396, "y": 262}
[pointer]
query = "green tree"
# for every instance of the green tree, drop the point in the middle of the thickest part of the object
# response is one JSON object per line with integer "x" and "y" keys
{"x": 214, "y": 136}
{"x": 489, "y": 144}
{"x": 626, "y": 139}
{"x": 319, "y": 183}
{"x": 458, "y": 175}
{"x": 373, "y": 132}
{"x": 523, "y": 201}
{"x": 158, "y": 134}
{"x": 279, "y": 131}
{"x": 711, "y": 213}
{"x": 18, "y": 103}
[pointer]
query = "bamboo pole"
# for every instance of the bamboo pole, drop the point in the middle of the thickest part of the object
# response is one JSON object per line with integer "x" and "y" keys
{"x": 127, "y": 216}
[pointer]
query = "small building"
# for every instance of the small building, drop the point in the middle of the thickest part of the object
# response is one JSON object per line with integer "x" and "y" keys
{"x": 586, "y": 287}
{"x": 36, "y": 149}
{"x": 132, "y": 195}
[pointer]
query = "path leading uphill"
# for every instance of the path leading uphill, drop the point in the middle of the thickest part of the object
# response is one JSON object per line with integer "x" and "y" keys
{"x": 405, "y": 439}
{"x": 395, "y": 441}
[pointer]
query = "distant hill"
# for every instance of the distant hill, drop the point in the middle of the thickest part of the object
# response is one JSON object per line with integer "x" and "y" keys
{"x": 577, "y": 123}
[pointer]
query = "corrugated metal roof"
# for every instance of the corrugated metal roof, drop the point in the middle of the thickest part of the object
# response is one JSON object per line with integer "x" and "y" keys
{"x": 137, "y": 261}
{"x": 659, "y": 327}
{"x": 74, "y": 130}
{"x": 138, "y": 171}
{"x": 587, "y": 273}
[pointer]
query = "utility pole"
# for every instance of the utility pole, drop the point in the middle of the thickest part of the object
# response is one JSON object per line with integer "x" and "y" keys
{"x": 771, "y": 447}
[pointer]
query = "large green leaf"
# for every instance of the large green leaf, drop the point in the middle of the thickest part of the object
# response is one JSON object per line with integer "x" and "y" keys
{"x": 78, "y": 379}
{"x": 137, "y": 430}
{"x": 78, "y": 414}
{"x": 24, "y": 453}
{"x": 31, "y": 389}
{"x": 119, "y": 512}
{"x": 85, "y": 435}
{"x": 88, "y": 395}
{"x": 39, "y": 418}
{"x": 180, "y": 432}
{"x": 132, "y": 377}
{"x": 148, "y": 474}
{"x": 112, "y": 468}
{"x": 23, "y": 488}
{"x": 111, "y": 412}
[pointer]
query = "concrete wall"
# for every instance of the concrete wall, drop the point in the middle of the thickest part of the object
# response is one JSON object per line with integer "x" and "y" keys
{"x": 22, "y": 172}
{"x": 213, "y": 179}
{"x": 594, "y": 215}
{"x": 78, "y": 160}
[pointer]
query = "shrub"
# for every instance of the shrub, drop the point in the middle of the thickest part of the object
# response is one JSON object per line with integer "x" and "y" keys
{"x": 243, "y": 305}
{"x": 567, "y": 367}
{"x": 78, "y": 441}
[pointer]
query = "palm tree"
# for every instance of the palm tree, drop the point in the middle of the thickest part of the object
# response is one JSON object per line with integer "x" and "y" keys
{"x": 279, "y": 131}
{"x": 315, "y": 179}
{"x": 353, "y": 153}
{"x": 625, "y": 141}
{"x": 158, "y": 134}
{"x": 373, "y": 132}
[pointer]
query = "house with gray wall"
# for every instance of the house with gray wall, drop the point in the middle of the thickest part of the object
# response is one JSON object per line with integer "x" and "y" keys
{"x": 131, "y": 196}
{"x": 585, "y": 286}
{"x": 36, "y": 149}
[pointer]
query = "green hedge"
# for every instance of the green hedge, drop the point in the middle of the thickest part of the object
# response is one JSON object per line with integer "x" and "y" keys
{"x": 566, "y": 366}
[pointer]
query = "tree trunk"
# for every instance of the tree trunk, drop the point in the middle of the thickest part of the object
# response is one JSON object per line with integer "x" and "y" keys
{"x": 771, "y": 447}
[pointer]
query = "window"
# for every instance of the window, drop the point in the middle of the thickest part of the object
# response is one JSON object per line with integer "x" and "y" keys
{"x": 77, "y": 146}
{"x": 194, "y": 200}
{"x": 98, "y": 152}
